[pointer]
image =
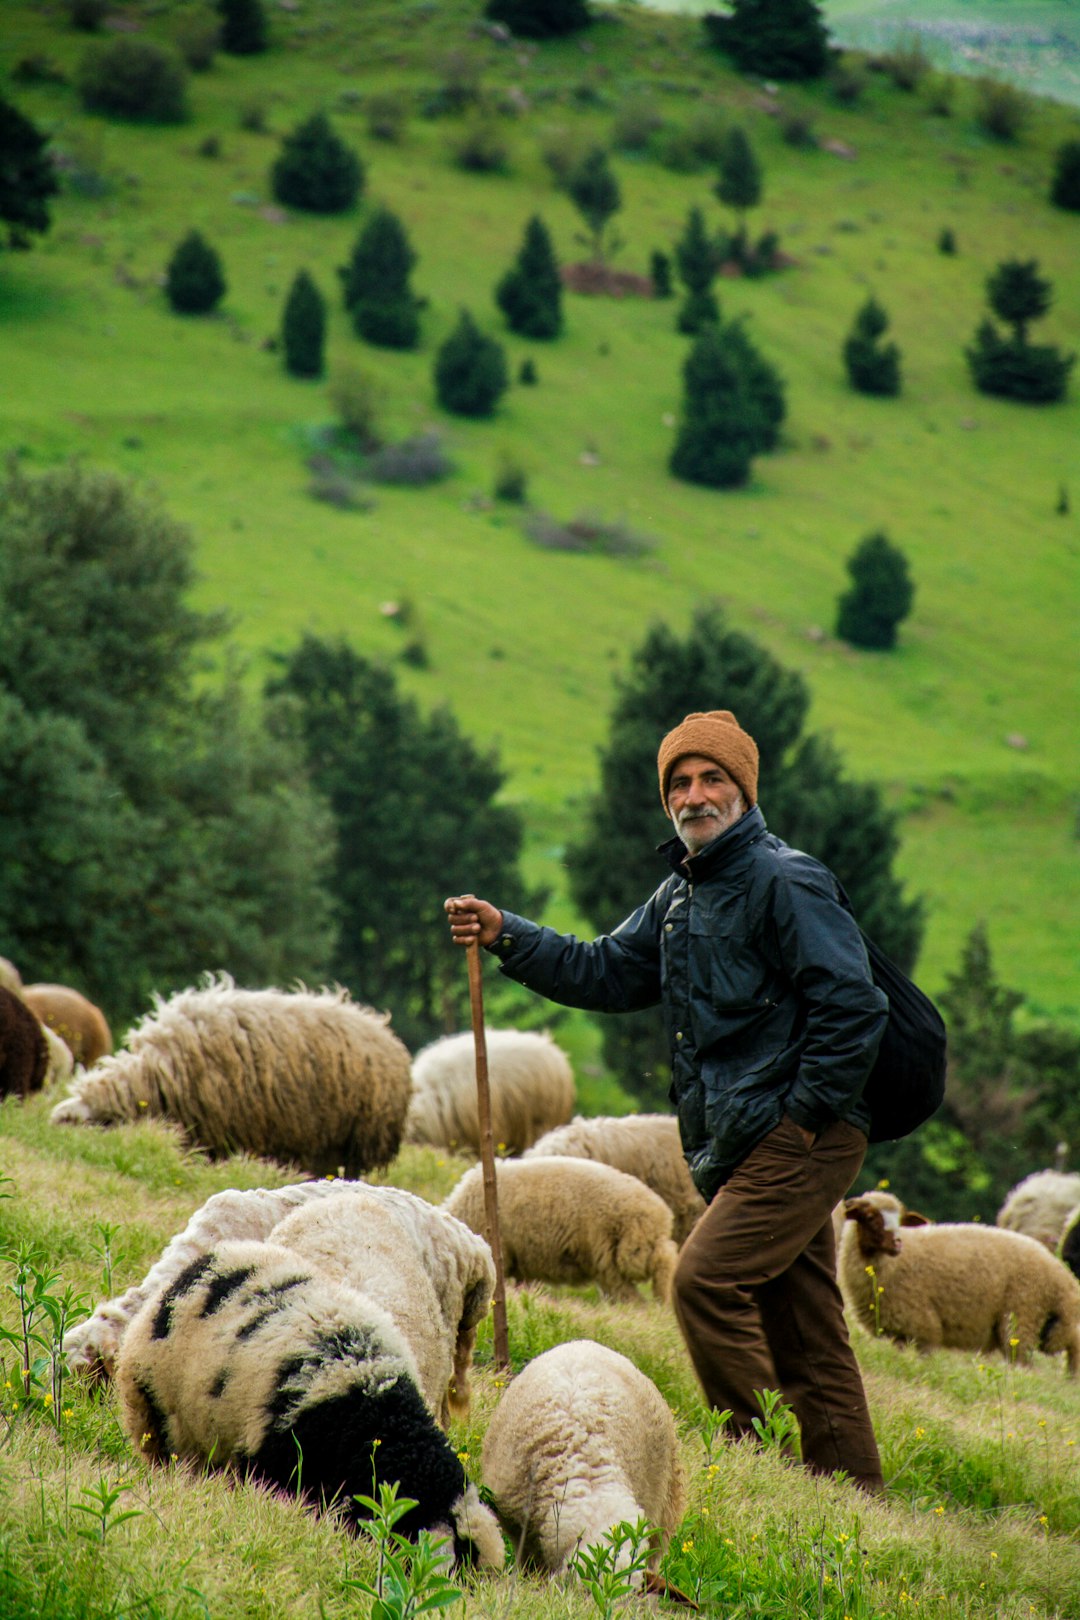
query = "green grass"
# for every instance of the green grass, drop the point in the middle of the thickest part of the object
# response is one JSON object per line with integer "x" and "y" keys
{"x": 524, "y": 643}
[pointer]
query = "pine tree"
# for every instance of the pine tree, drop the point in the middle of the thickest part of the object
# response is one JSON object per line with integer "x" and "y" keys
{"x": 27, "y": 176}
{"x": 1065, "y": 187}
{"x": 660, "y": 273}
{"x": 530, "y": 293}
{"x": 243, "y": 27}
{"x": 872, "y": 367}
{"x": 315, "y": 170}
{"x": 695, "y": 259}
{"x": 303, "y": 328}
{"x": 539, "y": 19}
{"x": 721, "y": 426}
{"x": 739, "y": 183}
{"x": 1011, "y": 367}
{"x": 470, "y": 370}
{"x": 880, "y": 597}
{"x": 194, "y": 279}
{"x": 595, "y": 193}
{"x": 763, "y": 382}
{"x": 778, "y": 39}
{"x": 376, "y": 284}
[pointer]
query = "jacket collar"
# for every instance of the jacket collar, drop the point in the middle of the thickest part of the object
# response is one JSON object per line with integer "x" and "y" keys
{"x": 722, "y": 852}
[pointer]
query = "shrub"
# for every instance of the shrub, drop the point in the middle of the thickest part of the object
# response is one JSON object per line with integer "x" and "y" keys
{"x": 87, "y": 15}
{"x": 940, "y": 94}
{"x": 563, "y": 150}
{"x": 470, "y": 370}
{"x": 134, "y": 78}
{"x": 1037, "y": 374}
{"x": 947, "y": 241}
{"x": 387, "y": 115}
{"x": 739, "y": 182}
{"x": 595, "y": 193}
{"x": 412, "y": 462}
{"x": 198, "y": 35}
{"x": 243, "y": 27}
{"x": 303, "y": 328}
{"x": 210, "y": 146}
{"x": 528, "y": 376}
{"x": 194, "y": 279}
{"x": 719, "y": 430}
{"x": 539, "y": 19}
{"x": 636, "y": 122}
{"x": 376, "y": 284}
{"x": 336, "y": 485}
{"x": 780, "y": 39}
{"x": 27, "y": 177}
{"x": 1065, "y": 186}
{"x": 763, "y": 384}
{"x": 482, "y": 147}
{"x": 586, "y": 533}
{"x": 315, "y": 170}
{"x": 880, "y": 597}
{"x": 848, "y": 78}
{"x": 511, "y": 481}
{"x": 660, "y": 274}
{"x": 907, "y": 63}
{"x": 459, "y": 88}
{"x": 872, "y": 367}
{"x": 252, "y": 117}
{"x": 358, "y": 401}
{"x": 530, "y": 293}
{"x": 797, "y": 129}
{"x": 1001, "y": 109}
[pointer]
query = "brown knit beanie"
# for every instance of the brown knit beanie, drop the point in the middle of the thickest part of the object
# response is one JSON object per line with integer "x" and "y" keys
{"x": 716, "y": 735}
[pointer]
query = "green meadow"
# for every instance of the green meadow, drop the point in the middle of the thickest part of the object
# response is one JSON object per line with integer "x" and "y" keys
{"x": 968, "y": 726}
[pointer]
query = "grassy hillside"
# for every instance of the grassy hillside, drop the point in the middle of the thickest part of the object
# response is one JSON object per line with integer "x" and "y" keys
{"x": 966, "y": 725}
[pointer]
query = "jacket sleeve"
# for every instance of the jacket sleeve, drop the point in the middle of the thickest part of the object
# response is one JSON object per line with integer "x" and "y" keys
{"x": 822, "y": 954}
{"x": 618, "y": 972}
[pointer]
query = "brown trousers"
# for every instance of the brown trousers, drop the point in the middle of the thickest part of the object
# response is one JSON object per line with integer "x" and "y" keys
{"x": 759, "y": 1306}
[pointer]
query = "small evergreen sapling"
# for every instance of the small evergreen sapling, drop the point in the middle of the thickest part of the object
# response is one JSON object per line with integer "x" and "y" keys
{"x": 27, "y": 177}
{"x": 660, "y": 273}
{"x": 739, "y": 183}
{"x": 243, "y": 27}
{"x": 194, "y": 280}
{"x": 720, "y": 426}
{"x": 315, "y": 170}
{"x": 873, "y": 367}
{"x": 880, "y": 597}
{"x": 1011, "y": 367}
{"x": 376, "y": 284}
{"x": 1065, "y": 187}
{"x": 470, "y": 370}
{"x": 595, "y": 193}
{"x": 303, "y": 328}
{"x": 530, "y": 293}
{"x": 695, "y": 259}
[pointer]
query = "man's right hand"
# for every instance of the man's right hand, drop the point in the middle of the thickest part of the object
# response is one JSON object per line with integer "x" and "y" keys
{"x": 473, "y": 921}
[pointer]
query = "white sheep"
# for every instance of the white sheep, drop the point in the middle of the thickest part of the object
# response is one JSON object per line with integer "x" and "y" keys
{"x": 255, "y": 1363}
{"x": 1038, "y": 1205}
{"x": 531, "y": 1084}
{"x": 581, "y": 1441}
{"x": 644, "y": 1145}
{"x": 303, "y": 1077}
{"x": 957, "y": 1286}
{"x": 573, "y": 1221}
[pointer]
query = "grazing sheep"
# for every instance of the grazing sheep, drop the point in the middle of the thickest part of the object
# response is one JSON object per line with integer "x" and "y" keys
{"x": 79, "y": 1024}
{"x": 1038, "y": 1205}
{"x": 1069, "y": 1249}
{"x": 254, "y": 1362}
{"x": 957, "y": 1286}
{"x": 10, "y": 977}
{"x": 303, "y": 1077}
{"x": 24, "y": 1050}
{"x": 581, "y": 1441}
{"x": 531, "y": 1083}
{"x": 572, "y": 1221}
{"x": 644, "y": 1145}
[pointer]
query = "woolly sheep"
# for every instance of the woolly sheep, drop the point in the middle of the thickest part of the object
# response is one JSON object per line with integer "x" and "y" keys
{"x": 531, "y": 1083}
{"x": 304, "y": 1077}
{"x": 647, "y": 1146}
{"x": 580, "y": 1441}
{"x": 80, "y": 1024}
{"x": 24, "y": 1050}
{"x": 255, "y": 1363}
{"x": 1039, "y": 1205}
{"x": 958, "y": 1286}
{"x": 1069, "y": 1248}
{"x": 572, "y": 1221}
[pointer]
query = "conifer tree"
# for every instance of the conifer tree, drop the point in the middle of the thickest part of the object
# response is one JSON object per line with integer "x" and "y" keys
{"x": 595, "y": 193}
{"x": 1065, "y": 187}
{"x": 880, "y": 596}
{"x": 243, "y": 27}
{"x": 470, "y": 370}
{"x": 303, "y": 328}
{"x": 530, "y": 293}
{"x": 721, "y": 424}
{"x": 1011, "y": 367}
{"x": 763, "y": 382}
{"x": 873, "y": 367}
{"x": 27, "y": 176}
{"x": 660, "y": 273}
{"x": 739, "y": 183}
{"x": 695, "y": 259}
{"x": 376, "y": 284}
{"x": 194, "y": 279}
{"x": 539, "y": 19}
{"x": 315, "y": 170}
{"x": 778, "y": 39}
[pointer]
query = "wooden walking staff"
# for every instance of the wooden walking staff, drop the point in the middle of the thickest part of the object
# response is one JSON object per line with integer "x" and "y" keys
{"x": 487, "y": 1155}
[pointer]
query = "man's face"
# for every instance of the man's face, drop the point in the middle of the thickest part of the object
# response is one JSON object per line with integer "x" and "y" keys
{"x": 703, "y": 801}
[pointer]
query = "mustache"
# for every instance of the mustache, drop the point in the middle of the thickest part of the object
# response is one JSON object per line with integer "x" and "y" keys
{"x": 708, "y": 812}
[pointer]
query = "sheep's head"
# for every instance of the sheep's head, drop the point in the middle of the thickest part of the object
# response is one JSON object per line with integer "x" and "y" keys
{"x": 878, "y": 1228}
{"x": 474, "y": 1532}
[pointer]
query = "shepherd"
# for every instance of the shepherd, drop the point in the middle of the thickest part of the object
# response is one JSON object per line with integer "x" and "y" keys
{"x": 774, "y": 1022}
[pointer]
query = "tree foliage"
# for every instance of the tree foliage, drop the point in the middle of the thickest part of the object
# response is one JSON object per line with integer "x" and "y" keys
{"x": 470, "y": 370}
{"x": 739, "y": 183}
{"x": 303, "y": 328}
{"x": 873, "y": 367}
{"x": 530, "y": 293}
{"x": 733, "y": 405}
{"x": 194, "y": 279}
{"x": 414, "y": 805}
{"x": 779, "y": 39}
{"x": 376, "y": 287}
{"x": 595, "y": 193}
{"x": 27, "y": 176}
{"x": 805, "y": 794}
{"x": 695, "y": 260}
{"x": 130, "y": 77}
{"x": 243, "y": 27}
{"x": 1011, "y": 367}
{"x": 315, "y": 170}
{"x": 539, "y": 19}
{"x": 881, "y": 594}
{"x": 1065, "y": 185}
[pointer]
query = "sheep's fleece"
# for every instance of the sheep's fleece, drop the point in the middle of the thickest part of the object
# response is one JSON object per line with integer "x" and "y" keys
{"x": 529, "y": 1077}
{"x": 306, "y": 1078}
{"x": 580, "y": 1441}
{"x": 1040, "y": 1205}
{"x": 81, "y": 1025}
{"x": 573, "y": 1221}
{"x": 254, "y": 1362}
{"x": 644, "y": 1145}
{"x": 958, "y": 1286}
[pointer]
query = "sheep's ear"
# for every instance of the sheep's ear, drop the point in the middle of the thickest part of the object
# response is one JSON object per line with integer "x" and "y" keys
{"x": 476, "y": 1524}
{"x": 911, "y": 1217}
{"x": 856, "y": 1209}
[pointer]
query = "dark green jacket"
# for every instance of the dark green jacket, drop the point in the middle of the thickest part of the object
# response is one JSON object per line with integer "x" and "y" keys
{"x": 765, "y": 985}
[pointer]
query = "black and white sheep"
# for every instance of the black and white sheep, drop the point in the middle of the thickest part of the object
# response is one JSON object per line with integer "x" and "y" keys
{"x": 531, "y": 1083}
{"x": 255, "y": 1363}
{"x": 573, "y": 1221}
{"x": 644, "y": 1145}
{"x": 581, "y": 1441}
{"x": 956, "y": 1286}
{"x": 304, "y": 1077}
{"x": 1039, "y": 1205}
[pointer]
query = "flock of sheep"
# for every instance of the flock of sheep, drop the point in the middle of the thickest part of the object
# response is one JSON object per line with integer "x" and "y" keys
{"x": 323, "y": 1317}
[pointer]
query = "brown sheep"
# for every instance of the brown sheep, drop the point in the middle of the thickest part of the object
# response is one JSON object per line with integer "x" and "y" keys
{"x": 24, "y": 1052}
{"x": 79, "y": 1024}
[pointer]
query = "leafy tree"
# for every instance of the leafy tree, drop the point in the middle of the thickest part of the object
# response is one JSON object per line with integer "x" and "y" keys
{"x": 805, "y": 794}
{"x": 880, "y": 596}
{"x": 779, "y": 39}
{"x": 470, "y": 370}
{"x": 414, "y": 807}
{"x": 315, "y": 170}
{"x": 539, "y": 19}
{"x": 303, "y": 328}
{"x": 530, "y": 293}
{"x": 243, "y": 27}
{"x": 376, "y": 284}
{"x": 1011, "y": 366}
{"x": 151, "y": 824}
{"x": 695, "y": 259}
{"x": 194, "y": 279}
{"x": 1065, "y": 186}
{"x": 739, "y": 182}
{"x": 872, "y": 367}
{"x": 27, "y": 176}
{"x": 595, "y": 193}
{"x": 131, "y": 77}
